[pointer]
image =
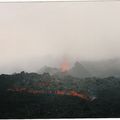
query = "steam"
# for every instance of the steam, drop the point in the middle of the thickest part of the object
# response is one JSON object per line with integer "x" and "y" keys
{"x": 37, "y": 34}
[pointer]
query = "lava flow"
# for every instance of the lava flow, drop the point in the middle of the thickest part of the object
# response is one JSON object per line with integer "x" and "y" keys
{"x": 82, "y": 95}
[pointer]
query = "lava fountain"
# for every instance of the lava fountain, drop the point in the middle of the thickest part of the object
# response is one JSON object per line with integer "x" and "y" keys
{"x": 65, "y": 66}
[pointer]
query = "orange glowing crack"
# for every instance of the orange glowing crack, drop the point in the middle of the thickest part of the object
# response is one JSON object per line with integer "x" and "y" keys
{"x": 58, "y": 92}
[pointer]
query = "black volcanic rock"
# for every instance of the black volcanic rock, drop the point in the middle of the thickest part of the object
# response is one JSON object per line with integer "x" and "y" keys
{"x": 105, "y": 90}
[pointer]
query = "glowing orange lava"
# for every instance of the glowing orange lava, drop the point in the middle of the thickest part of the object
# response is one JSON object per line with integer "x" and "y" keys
{"x": 65, "y": 66}
{"x": 58, "y": 92}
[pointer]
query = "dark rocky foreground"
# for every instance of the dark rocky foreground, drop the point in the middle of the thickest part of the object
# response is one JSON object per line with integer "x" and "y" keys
{"x": 19, "y": 103}
{"x": 14, "y": 105}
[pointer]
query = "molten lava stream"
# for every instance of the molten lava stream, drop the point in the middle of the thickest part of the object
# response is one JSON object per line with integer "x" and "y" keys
{"x": 58, "y": 92}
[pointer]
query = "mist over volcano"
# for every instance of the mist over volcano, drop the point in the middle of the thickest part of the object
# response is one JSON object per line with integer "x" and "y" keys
{"x": 30, "y": 39}
{"x": 103, "y": 68}
{"x": 60, "y": 59}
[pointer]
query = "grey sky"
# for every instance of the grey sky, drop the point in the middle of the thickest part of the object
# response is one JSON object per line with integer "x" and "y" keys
{"x": 33, "y": 34}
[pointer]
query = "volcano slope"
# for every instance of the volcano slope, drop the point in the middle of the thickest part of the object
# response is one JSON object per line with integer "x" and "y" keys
{"x": 16, "y": 104}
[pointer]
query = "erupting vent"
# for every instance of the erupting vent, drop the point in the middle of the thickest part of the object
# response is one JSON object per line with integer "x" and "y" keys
{"x": 65, "y": 66}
